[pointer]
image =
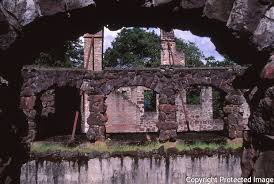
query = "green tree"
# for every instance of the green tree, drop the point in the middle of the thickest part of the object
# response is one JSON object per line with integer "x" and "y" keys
{"x": 212, "y": 62}
{"x": 134, "y": 47}
{"x": 68, "y": 54}
{"x": 193, "y": 55}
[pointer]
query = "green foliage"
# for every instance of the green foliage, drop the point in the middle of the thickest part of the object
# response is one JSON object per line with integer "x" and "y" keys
{"x": 207, "y": 146}
{"x": 212, "y": 62}
{"x": 193, "y": 55}
{"x": 114, "y": 147}
{"x": 133, "y": 47}
{"x": 68, "y": 54}
{"x": 193, "y": 96}
{"x": 149, "y": 100}
{"x": 44, "y": 147}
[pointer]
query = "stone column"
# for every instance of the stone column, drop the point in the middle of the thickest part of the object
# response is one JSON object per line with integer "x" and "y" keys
{"x": 206, "y": 102}
{"x": 236, "y": 114}
{"x": 93, "y": 61}
{"x": 97, "y": 118}
{"x": 167, "y": 124}
{"x": 169, "y": 54}
{"x": 27, "y": 104}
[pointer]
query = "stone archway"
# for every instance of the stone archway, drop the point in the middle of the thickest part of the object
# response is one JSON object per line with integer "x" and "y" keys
{"x": 231, "y": 24}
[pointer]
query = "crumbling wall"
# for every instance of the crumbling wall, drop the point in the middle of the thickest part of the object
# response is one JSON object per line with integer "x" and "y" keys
{"x": 166, "y": 82}
{"x": 123, "y": 114}
{"x": 126, "y": 113}
{"x": 199, "y": 117}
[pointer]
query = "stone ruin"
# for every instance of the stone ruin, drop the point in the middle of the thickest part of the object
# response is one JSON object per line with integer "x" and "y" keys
{"x": 112, "y": 101}
{"x": 242, "y": 29}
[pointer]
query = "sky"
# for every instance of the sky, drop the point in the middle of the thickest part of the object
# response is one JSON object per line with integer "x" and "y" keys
{"x": 203, "y": 43}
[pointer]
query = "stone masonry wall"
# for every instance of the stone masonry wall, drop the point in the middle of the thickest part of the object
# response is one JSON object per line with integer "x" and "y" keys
{"x": 98, "y": 85}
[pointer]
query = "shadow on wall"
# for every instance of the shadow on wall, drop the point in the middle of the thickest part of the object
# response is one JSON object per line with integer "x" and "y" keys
{"x": 67, "y": 102}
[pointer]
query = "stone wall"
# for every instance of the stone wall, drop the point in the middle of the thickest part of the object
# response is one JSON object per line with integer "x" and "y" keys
{"x": 199, "y": 117}
{"x": 129, "y": 170}
{"x": 125, "y": 111}
{"x": 166, "y": 82}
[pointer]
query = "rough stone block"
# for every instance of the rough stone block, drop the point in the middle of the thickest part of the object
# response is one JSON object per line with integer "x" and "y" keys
{"x": 28, "y": 102}
{"x": 167, "y": 108}
{"x": 167, "y": 135}
{"x": 96, "y": 133}
{"x": 96, "y": 98}
{"x": 97, "y": 119}
{"x": 168, "y": 125}
{"x": 98, "y": 107}
{"x": 235, "y": 99}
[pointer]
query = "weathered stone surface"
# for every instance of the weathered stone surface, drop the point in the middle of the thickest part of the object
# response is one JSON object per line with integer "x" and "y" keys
{"x": 167, "y": 135}
{"x": 218, "y": 9}
{"x": 98, "y": 107}
{"x": 263, "y": 35}
{"x": 235, "y": 99}
{"x": 96, "y": 98}
{"x": 268, "y": 71}
{"x": 262, "y": 119}
{"x": 97, "y": 118}
{"x": 167, "y": 125}
{"x": 91, "y": 134}
{"x": 167, "y": 108}
{"x": 234, "y": 126}
{"x": 28, "y": 102}
{"x": 96, "y": 133}
{"x": 189, "y": 4}
{"x": 246, "y": 14}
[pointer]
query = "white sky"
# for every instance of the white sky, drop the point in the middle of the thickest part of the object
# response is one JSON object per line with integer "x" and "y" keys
{"x": 203, "y": 43}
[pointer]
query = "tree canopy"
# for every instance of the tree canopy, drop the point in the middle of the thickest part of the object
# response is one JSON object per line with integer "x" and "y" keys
{"x": 67, "y": 54}
{"x": 133, "y": 47}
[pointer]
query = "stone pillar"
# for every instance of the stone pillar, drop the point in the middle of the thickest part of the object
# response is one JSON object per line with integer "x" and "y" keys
{"x": 93, "y": 61}
{"x": 169, "y": 54}
{"x": 236, "y": 111}
{"x": 97, "y": 118}
{"x": 48, "y": 103}
{"x": 28, "y": 106}
{"x": 206, "y": 102}
{"x": 167, "y": 124}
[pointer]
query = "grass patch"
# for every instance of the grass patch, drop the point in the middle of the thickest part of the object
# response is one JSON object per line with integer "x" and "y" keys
{"x": 206, "y": 146}
{"x": 40, "y": 147}
{"x": 43, "y": 147}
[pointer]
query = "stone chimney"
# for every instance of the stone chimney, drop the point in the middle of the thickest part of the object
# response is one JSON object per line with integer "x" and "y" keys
{"x": 169, "y": 54}
{"x": 93, "y": 51}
